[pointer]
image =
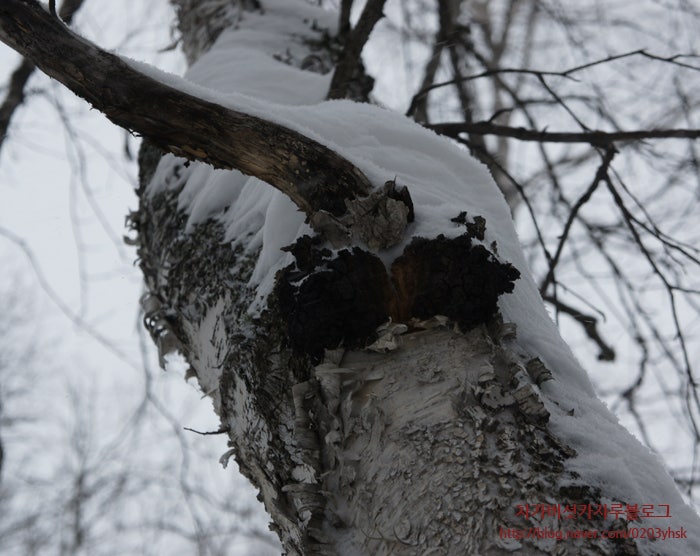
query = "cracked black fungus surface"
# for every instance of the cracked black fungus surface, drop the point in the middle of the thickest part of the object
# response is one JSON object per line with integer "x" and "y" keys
{"x": 340, "y": 301}
{"x": 328, "y": 301}
{"x": 451, "y": 277}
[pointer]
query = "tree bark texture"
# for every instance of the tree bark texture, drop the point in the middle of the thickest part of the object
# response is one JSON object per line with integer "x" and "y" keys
{"x": 425, "y": 445}
{"x": 423, "y": 442}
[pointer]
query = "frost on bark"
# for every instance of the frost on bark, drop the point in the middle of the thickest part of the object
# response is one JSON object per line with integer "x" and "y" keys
{"x": 378, "y": 409}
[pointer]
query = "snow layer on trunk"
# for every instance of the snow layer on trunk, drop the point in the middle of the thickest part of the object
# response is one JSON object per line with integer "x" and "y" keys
{"x": 243, "y": 71}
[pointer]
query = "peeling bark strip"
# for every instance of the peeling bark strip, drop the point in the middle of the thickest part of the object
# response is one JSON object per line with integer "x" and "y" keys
{"x": 430, "y": 448}
{"x": 313, "y": 176}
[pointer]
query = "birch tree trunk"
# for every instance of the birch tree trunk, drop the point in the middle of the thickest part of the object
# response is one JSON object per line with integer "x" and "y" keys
{"x": 379, "y": 399}
{"x": 428, "y": 440}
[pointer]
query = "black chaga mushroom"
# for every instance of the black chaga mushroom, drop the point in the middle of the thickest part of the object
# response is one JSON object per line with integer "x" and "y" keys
{"x": 450, "y": 277}
{"x": 330, "y": 300}
{"x": 341, "y": 301}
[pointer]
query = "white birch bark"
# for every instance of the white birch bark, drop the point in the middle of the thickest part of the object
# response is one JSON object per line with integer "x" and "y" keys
{"x": 423, "y": 443}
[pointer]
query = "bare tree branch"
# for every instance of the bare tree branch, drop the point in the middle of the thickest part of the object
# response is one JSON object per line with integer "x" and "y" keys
{"x": 223, "y": 430}
{"x": 593, "y": 137}
{"x": 15, "y": 93}
{"x": 589, "y": 324}
{"x": 15, "y": 96}
{"x": 355, "y": 42}
{"x": 418, "y": 110}
{"x": 426, "y": 88}
{"x": 345, "y": 9}
{"x": 313, "y": 176}
{"x": 600, "y": 175}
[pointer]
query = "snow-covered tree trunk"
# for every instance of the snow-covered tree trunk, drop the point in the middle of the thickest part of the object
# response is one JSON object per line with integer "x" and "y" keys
{"x": 378, "y": 399}
{"x": 376, "y": 349}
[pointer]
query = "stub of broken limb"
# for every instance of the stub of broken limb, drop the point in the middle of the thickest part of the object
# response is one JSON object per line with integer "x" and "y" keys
{"x": 377, "y": 220}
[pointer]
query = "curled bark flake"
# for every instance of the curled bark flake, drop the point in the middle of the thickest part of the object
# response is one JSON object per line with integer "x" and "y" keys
{"x": 489, "y": 393}
{"x": 388, "y": 337}
{"x": 157, "y": 320}
{"x": 380, "y": 219}
{"x": 538, "y": 372}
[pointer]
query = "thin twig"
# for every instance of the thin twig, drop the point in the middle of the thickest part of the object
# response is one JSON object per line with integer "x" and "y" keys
{"x": 45, "y": 285}
{"x": 589, "y": 324}
{"x": 593, "y": 137}
{"x": 691, "y": 384}
{"x": 20, "y": 76}
{"x": 599, "y": 176}
{"x": 542, "y": 73}
{"x": 222, "y": 430}
{"x": 356, "y": 39}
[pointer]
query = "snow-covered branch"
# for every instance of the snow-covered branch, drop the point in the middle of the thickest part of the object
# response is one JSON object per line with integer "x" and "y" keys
{"x": 20, "y": 76}
{"x": 312, "y": 175}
